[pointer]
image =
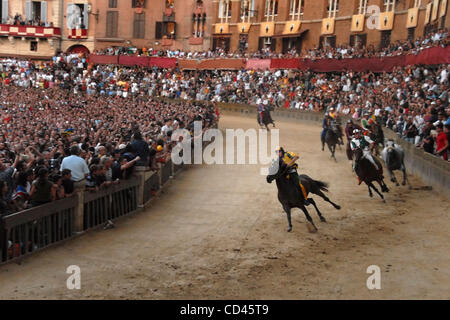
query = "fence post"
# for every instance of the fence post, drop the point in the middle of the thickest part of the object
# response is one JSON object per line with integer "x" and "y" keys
{"x": 140, "y": 171}
{"x": 79, "y": 211}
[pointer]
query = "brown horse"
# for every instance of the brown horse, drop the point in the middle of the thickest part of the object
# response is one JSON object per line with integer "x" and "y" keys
{"x": 367, "y": 173}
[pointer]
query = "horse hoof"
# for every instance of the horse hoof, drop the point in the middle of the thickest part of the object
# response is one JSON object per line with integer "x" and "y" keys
{"x": 397, "y": 184}
{"x": 289, "y": 229}
{"x": 403, "y": 183}
{"x": 338, "y": 207}
{"x": 384, "y": 200}
{"x": 371, "y": 195}
{"x": 323, "y": 219}
{"x": 311, "y": 228}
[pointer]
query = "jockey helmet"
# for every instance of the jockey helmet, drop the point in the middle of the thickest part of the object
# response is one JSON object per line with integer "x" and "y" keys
{"x": 356, "y": 131}
{"x": 278, "y": 149}
{"x": 159, "y": 148}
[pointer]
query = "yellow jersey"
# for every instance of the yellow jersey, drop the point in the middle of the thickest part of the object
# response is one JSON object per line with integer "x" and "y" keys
{"x": 288, "y": 156}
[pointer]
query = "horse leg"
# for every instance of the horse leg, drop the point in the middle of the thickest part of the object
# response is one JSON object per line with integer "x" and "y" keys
{"x": 288, "y": 214}
{"x": 383, "y": 186}
{"x": 311, "y": 227}
{"x": 324, "y": 197}
{"x": 331, "y": 150}
{"x": 370, "y": 190}
{"x": 393, "y": 178}
{"x": 405, "y": 179}
{"x": 376, "y": 190}
{"x": 317, "y": 209}
{"x": 334, "y": 150}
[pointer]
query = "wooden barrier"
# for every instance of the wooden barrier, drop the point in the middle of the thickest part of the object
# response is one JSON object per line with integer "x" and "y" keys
{"x": 109, "y": 204}
{"x": 28, "y": 231}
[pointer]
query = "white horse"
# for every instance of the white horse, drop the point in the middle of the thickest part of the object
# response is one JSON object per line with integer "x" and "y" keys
{"x": 393, "y": 157}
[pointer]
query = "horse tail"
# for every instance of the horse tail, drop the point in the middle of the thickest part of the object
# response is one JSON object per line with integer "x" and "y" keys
{"x": 321, "y": 185}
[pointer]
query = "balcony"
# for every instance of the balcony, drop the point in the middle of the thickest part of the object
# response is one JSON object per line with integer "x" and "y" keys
{"x": 195, "y": 41}
{"x": 77, "y": 34}
{"x": 29, "y": 31}
{"x": 167, "y": 42}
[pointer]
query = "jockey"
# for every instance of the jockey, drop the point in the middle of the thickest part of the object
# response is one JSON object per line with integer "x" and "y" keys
{"x": 287, "y": 160}
{"x": 260, "y": 112}
{"x": 327, "y": 120}
{"x": 366, "y": 144}
{"x": 365, "y": 122}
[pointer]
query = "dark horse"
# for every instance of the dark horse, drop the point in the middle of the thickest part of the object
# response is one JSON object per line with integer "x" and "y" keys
{"x": 368, "y": 173}
{"x": 332, "y": 138}
{"x": 266, "y": 118}
{"x": 290, "y": 196}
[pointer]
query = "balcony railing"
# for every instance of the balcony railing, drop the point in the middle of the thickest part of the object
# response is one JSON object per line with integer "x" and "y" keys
{"x": 29, "y": 31}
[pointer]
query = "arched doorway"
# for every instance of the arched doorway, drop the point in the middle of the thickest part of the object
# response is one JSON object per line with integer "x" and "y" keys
{"x": 78, "y": 48}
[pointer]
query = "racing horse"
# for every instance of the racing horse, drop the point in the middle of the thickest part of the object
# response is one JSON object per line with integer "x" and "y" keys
{"x": 393, "y": 157}
{"x": 367, "y": 173}
{"x": 290, "y": 195}
{"x": 377, "y": 135}
{"x": 332, "y": 138}
{"x": 266, "y": 117}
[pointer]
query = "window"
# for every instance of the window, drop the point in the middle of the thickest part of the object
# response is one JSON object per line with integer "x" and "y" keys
{"x": 411, "y": 32}
{"x": 332, "y": 8}
{"x": 224, "y": 9}
{"x": 271, "y": 8}
{"x": 112, "y": 18}
{"x": 33, "y": 46}
{"x": 165, "y": 30}
{"x": 385, "y": 39}
{"x": 247, "y": 8}
{"x": 389, "y": 5}
{"x": 77, "y": 16}
{"x": 113, "y": 3}
{"x": 169, "y": 30}
{"x": 36, "y": 11}
{"x": 296, "y": 9}
{"x": 139, "y": 26}
{"x": 138, "y": 3}
{"x": 361, "y": 6}
{"x": 358, "y": 40}
{"x": 198, "y": 25}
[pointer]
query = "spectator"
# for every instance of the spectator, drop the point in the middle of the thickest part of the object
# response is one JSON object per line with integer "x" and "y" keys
{"x": 67, "y": 182}
{"x": 77, "y": 166}
{"x": 441, "y": 142}
{"x": 42, "y": 190}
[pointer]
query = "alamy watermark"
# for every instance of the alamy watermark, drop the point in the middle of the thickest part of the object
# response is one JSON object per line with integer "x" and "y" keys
{"x": 251, "y": 144}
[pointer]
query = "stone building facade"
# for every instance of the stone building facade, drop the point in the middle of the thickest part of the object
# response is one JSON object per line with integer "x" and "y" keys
{"x": 303, "y": 24}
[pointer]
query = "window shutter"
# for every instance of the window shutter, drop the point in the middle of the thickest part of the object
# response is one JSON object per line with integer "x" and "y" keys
{"x": 4, "y": 11}
{"x": 174, "y": 31}
{"x": 109, "y": 17}
{"x": 363, "y": 38}
{"x": 44, "y": 11}
{"x": 142, "y": 26}
{"x": 115, "y": 23}
{"x": 320, "y": 42}
{"x": 28, "y": 10}
{"x": 86, "y": 16}
{"x": 158, "y": 30}
{"x": 260, "y": 43}
{"x": 352, "y": 40}
{"x": 273, "y": 44}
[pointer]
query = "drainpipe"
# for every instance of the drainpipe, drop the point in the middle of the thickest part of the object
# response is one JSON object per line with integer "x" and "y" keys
{"x": 61, "y": 22}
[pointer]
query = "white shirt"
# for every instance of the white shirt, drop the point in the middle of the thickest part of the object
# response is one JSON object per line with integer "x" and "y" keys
{"x": 77, "y": 166}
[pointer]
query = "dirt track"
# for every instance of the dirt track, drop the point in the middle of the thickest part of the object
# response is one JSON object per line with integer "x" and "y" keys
{"x": 219, "y": 232}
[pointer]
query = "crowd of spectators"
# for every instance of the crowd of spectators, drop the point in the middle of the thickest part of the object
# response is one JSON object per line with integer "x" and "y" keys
{"x": 438, "y": 38}
{"x": 68, "y": 125}
{"x": 19, "y": 20}
{"x": 55, "y": 140}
